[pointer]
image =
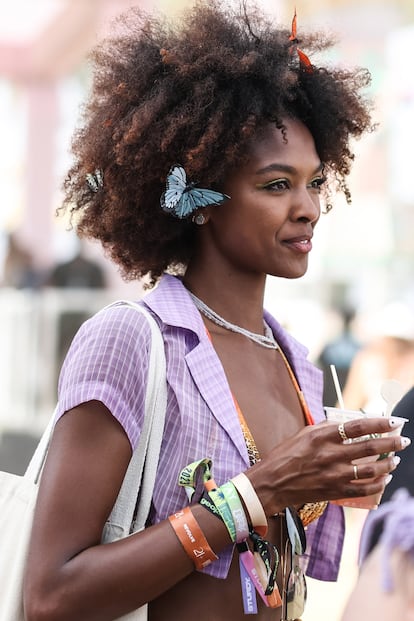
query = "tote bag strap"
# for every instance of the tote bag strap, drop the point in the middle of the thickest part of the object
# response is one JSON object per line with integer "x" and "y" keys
{"x": 133, "y": 504}
{"x": 36, "y": 463}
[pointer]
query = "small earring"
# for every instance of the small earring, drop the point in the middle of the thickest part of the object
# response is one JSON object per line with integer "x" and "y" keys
{"x": 199, "y": 219}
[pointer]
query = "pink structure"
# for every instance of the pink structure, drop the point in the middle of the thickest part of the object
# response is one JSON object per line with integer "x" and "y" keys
{"x": 37, "y": 65}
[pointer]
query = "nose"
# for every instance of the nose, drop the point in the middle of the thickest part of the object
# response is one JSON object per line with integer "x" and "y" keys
{"x": 306, "y": 205}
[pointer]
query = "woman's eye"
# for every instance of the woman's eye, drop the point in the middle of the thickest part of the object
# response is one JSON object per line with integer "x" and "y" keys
{"x": 317, "y": 183}
{"x": 278, "y": 185}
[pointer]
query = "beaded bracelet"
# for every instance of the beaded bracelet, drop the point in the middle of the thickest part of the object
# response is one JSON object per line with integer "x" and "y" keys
{"x": 192, "y": 538}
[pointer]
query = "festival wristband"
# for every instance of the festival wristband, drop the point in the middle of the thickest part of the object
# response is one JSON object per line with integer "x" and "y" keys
{"x": 221, "y": 505}
{"x": 239, "y": 517}
{"x": 188, "y": 476}
{"x": 267, "y": 562}
{"x": 252, "y": 503}
{"x": 192, "y": 538}
{"x": 254, "y": 567}
{"x": 247, "y": 560}
{"x": 188, "y": 479}
{"x": 248, "y": 590}
{"x": 206, "y": 502}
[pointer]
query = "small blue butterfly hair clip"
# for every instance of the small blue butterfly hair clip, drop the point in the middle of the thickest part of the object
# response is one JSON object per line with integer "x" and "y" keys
{"x": 95, "y": 180}
{"x": 181, "y": 199}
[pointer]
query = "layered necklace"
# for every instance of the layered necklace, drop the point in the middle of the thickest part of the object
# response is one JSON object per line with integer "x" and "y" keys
{"x": 266, "y": 340}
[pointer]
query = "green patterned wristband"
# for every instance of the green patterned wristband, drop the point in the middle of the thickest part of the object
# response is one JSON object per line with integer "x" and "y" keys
{"x": 239, "y": 516}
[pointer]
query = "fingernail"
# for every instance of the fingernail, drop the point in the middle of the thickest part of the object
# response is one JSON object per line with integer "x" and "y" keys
{"x": 395, "y": 422}
{"x": 405, "y": 442}
{"x": 396, "y": 460}
{"x": 388, "y": 478}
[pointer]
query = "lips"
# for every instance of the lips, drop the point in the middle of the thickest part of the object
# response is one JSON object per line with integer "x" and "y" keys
{"x": 300, "y": 243}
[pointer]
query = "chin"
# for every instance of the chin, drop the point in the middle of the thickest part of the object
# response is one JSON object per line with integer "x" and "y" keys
{"x": 290, "y": 274}
{"x": 293, "y": 277}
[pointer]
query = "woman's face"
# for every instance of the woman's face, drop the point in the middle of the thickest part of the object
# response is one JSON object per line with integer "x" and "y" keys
{"x": 267, "y": 225}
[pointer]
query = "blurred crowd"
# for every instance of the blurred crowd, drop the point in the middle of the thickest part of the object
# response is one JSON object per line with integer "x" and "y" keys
{"x": 20, "y": 271}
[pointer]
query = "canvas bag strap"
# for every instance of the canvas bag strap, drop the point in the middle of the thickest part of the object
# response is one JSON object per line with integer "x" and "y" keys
{"x": 36, "y": 463}
{"x": 140, "y": 477}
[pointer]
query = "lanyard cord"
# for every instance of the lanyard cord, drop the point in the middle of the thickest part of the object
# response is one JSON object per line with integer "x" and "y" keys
{"x": 252, "y": 450}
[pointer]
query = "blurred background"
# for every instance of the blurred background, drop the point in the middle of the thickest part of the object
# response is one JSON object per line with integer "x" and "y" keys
{"x": 356, "y": 303}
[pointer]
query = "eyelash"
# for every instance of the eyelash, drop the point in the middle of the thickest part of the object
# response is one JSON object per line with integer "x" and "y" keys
{"x": 318, "y": 181}
{"x": 274, "y": 186}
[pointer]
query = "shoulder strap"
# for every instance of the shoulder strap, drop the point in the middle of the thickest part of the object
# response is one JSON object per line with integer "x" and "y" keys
{"x": 141, "y": 473}
{"x": 38, "y": 459}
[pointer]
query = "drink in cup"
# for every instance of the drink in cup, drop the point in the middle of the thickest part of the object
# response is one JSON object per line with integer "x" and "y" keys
{"x": 339, "y": 415}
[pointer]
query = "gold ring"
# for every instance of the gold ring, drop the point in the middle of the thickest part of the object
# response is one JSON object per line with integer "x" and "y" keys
{"x": 356, "y": 472}
{"x": 341, "y": 431}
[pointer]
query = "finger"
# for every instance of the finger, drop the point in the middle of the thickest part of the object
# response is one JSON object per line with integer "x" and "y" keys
{"x": 375, "y": 447}
{"x": 366, "y": 487}
{"x": 373, "y": 469}
{"x": 363, "y": 470}
{"x": 367, "y": 426}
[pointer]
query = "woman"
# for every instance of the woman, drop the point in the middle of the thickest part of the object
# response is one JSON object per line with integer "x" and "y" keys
{"x": 228, "y": 103}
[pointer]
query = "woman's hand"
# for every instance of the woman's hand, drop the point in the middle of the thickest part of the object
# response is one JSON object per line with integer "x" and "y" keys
{"x": 317, "y": 464}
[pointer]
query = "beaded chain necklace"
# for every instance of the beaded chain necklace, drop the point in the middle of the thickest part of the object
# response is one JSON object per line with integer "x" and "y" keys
{"x": 267, "y": 340}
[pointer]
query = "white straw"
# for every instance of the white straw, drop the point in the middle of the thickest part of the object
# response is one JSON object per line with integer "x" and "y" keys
{"x": 337, "y": 387}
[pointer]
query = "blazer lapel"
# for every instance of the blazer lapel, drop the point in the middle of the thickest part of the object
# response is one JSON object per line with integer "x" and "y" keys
{"x": 172, "y": 304}
{"x": 208, "y": 374}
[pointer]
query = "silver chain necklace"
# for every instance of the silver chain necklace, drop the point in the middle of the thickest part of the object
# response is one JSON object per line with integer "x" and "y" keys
{"x": 266, "y": 340}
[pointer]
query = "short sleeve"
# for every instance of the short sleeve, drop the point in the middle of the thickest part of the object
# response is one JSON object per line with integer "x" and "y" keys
{"x": 108, "y": 362}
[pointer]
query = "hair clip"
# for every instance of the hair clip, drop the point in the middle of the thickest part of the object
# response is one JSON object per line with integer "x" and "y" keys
{"x": 304, "y": 61}
{"x": 181, "y": 199}
{"x": 95, "y": 180}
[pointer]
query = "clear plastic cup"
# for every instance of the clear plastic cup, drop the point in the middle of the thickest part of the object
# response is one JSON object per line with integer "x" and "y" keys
{"x": 338, "y": 415}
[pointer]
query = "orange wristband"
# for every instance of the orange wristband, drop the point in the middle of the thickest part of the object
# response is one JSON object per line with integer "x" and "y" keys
{"x": 253, "y": 505}
{"x": 192, "y": 538}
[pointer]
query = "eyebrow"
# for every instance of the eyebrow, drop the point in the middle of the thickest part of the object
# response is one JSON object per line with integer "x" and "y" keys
{"x": 275, "y": 167}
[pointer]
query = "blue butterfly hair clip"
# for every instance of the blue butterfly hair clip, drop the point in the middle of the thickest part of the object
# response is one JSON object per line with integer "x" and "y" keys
{"x": 181, "y": 199}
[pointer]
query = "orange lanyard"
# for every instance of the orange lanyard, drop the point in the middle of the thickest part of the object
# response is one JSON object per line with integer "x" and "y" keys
{"x": 252, "y": 450}
{"x": 306, "y": 411}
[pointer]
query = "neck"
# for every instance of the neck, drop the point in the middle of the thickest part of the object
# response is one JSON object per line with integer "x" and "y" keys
{"x": 265, "y": 338}
{"x": 238, "y": 298}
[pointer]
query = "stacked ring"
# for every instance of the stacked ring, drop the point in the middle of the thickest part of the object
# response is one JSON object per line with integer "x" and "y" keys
{"x": 341, "y": 431}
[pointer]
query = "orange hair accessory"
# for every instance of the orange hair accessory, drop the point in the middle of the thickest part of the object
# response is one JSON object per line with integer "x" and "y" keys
{"x": 303, "y": 59}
